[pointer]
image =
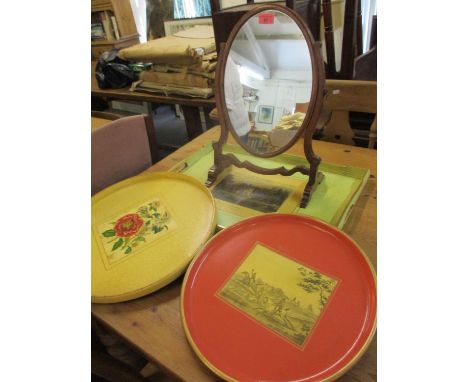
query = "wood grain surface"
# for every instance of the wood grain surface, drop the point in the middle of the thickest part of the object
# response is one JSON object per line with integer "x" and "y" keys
{"x": 152, "y": 324}
{"x": 96, "y": 123}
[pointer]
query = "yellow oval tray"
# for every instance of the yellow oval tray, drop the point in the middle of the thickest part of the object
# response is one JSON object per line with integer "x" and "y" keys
{"x": 144, "y": 232}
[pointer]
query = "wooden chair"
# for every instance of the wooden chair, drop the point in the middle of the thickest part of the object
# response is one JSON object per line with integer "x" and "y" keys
{"x": 351, "y": 46}
{"x": 365, "y": 65}
{"x": 101, "y": 118}
{"x": 119, "y": 150}
{"x": 342, "y": 97}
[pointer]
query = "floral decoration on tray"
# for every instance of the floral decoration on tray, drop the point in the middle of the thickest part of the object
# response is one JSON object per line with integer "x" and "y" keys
{"x": 130, "y": 231}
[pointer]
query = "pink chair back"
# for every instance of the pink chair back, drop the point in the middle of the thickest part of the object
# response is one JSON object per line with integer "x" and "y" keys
{"x": 119, "y": 150}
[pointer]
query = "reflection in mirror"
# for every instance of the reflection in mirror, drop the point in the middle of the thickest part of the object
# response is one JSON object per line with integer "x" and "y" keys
{"x": 268, "y": 82}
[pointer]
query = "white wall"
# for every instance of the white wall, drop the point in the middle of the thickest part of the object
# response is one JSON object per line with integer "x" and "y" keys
{"x": 139, "y": 14}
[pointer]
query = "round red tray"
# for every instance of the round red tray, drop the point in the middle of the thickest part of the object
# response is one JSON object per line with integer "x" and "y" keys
{"x": 280, "y": 298}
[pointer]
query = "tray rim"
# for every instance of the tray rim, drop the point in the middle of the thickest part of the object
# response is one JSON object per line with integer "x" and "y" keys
{"x": 137, "y": 293}
{"x": 228, "y": 378}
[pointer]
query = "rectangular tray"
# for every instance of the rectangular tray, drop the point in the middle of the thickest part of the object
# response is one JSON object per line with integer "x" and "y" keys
{"x": 332, "y": 200}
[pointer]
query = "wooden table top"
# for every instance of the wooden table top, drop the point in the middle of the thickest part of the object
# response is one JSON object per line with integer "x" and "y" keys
{"x": 126, "y": 94}
{"x": 153, "y": 325}
{"x": 98, "y": 122}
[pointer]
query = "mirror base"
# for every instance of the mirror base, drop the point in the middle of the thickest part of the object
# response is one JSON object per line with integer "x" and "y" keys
{"x": 223, "y": 161}
{"x": 213, "y": 174}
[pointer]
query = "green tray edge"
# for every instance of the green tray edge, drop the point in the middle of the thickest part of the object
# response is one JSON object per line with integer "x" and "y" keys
{"x": 287, "y": 160}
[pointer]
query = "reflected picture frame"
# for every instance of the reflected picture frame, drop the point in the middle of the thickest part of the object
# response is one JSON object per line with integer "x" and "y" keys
{"x": 265, "y": 114}
{"x": 173, "y": 26}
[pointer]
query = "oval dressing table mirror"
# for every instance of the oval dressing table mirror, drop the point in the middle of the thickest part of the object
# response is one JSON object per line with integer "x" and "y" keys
{"x": 269, "y": 92}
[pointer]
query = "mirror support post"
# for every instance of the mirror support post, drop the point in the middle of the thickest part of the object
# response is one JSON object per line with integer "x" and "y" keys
{"x": 314, "y": 180}
{"x": 220, "y": 162}
{"x": 314, "y": 160}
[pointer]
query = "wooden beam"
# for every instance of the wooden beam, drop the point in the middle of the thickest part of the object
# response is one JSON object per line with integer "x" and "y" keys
{"x": 373, "y": 34}
{"x": 359, "y": 30}
{"x": 329, "y": 38}
{"x": 251, "y": 65}
{"x": 257, "y": 49}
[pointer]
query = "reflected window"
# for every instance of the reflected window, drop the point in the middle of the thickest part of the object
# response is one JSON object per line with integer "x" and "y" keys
{"x": 188, "y": 9}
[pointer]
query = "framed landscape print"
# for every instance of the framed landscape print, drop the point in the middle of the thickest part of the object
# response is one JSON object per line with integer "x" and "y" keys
{"x": 265, "y": 114}
{"x": 246, "y": 194}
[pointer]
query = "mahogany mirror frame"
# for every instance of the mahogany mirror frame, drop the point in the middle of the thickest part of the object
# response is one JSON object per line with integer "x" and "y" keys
{"x": 221, "y": 160}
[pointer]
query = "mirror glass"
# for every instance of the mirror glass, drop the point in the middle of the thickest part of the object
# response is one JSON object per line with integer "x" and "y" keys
{"x": 268, "y": 82}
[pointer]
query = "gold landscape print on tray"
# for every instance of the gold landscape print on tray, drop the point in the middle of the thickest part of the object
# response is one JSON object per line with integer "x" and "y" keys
{"x": 246, "y": 194}
{"x": 279, "y": 293}
{"x": 132, "y": 230}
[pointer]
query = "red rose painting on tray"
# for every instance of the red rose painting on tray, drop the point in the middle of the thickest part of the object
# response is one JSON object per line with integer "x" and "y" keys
{"x": 128, "y": 225}
{"x": 122, "y": 236}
